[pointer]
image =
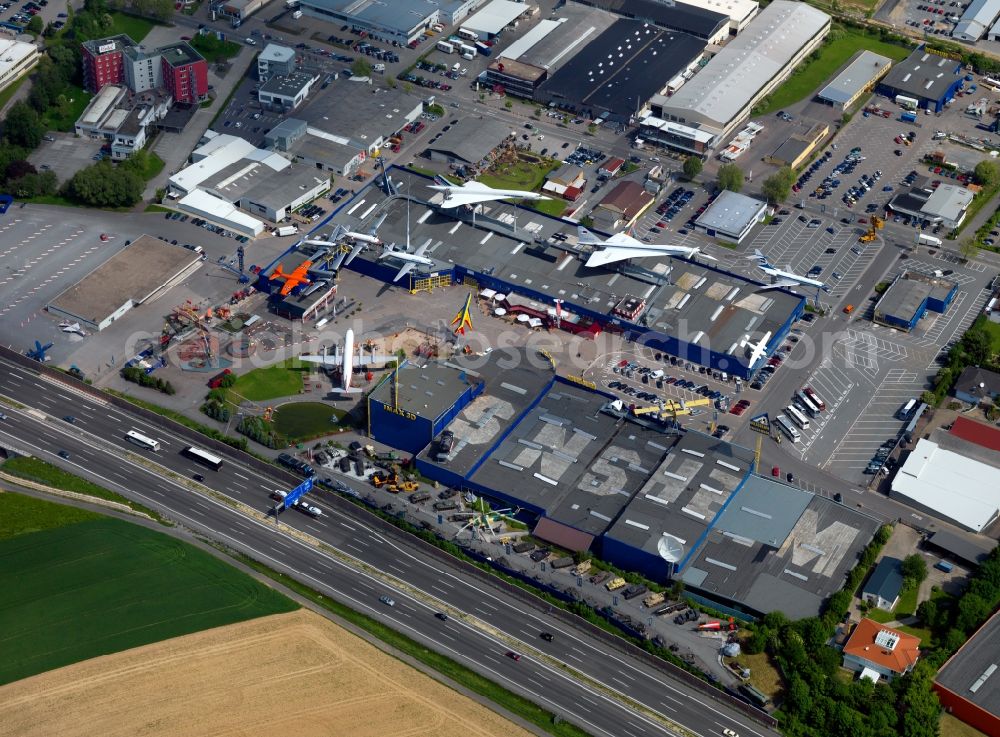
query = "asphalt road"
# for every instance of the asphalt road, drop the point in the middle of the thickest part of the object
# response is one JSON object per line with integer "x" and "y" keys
{"x": 575, "y": 675}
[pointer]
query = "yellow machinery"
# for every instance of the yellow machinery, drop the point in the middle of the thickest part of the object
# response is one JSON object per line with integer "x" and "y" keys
{"x": 869, "y": 235}
{"x": 671, "y": 408}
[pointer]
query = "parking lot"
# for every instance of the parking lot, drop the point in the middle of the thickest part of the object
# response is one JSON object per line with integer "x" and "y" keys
{"x": 65, "y": 155}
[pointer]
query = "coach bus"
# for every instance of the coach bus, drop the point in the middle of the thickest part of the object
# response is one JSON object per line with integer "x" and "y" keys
{"x": 820, "y": 404}
{"x": 142, "y": 441}
{"x": 906, "y": 411}
{"x": 806, "y": 403}
{"x": 203, "y": 457}
{"x": 797, "y": 417}
{"x": 788, "y": 428}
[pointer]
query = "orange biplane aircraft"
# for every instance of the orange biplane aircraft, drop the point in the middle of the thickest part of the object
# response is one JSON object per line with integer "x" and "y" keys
{"x": 298, "y": 276}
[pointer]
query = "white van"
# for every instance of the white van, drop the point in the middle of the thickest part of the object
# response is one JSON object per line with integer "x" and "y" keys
{"x": 457, "y": 67}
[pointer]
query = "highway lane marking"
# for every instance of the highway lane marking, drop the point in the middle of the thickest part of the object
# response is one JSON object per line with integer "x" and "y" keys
{"x": 589, "y": 701}
{"x": 618, "y": 680}
{"x": 181, "y": 510}
{"x": 626, "y": 675}
{"x": 119, "y": 475}
{"x": 489, "y": 606}
{"x": 446, "y": 636}
{"x": 578, "y": 660}
{"x": 583, "y": 708}
{"x": 344, "y": 524}
{"x": 664, "y": 705}
{"x": 205, "y": 506}
{"x": 529, "y": 678}
{"x": 443, "y": 591}
{"x": 314, "y": 568}
{"x": 236, "y": 473}
{"x": 354, "y": 547}
{"x": 112, "y": 417}
{"x": 397, "y": 569}
{"x": 63, "y": 396}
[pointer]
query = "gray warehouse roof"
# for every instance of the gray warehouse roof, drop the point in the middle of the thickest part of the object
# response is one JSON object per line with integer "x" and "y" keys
{"x": 372, "y": 111}
{"x": 737, "y": 73}
{"x": 730, "y": 212}
{"x": 971, "y": 672}
{"x": 398, "y": 15}
{"x": 508, "y": 390}
{"x": 472, "y": 139}
{"x": 682, "y": 17}
{"x": 905, "y": 295}
{"x": 923, "y": 75}
{"x": 979, "y": 16}
{"x": 778, "y": 548}
{"x": 863, "y": 68}
{"x": 135, "y": 273}
{"x": 277, "y": 52}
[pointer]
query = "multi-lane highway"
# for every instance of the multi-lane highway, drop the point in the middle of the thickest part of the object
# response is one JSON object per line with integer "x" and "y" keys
{"x": 606, "y": 692}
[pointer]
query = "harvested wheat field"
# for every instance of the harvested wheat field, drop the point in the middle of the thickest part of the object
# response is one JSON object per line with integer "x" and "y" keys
{"x": 286, "y": 674}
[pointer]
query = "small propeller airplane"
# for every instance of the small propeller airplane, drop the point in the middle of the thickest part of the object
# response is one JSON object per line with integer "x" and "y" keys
{"x": 622, "y": 246}
{"x": 463, "y": 319}
{"x": 294, "y": 279}
{"x": 348, "y": 361}
{"x": 757, "y": 350}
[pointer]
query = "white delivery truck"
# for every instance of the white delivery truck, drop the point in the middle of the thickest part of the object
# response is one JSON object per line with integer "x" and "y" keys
{"x": 928, "y": 240}
{"x": 445, "y": 47}
{"x": 286, "y": 230}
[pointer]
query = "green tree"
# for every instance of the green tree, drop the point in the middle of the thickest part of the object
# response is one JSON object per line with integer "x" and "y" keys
{"x": 730, "y": 177}
{"x": 361, "y": 68}
{"x": 103, "y": 185}
{"x": 914, "y": 569}
{"x": 36, "y": 25}
{"x": 986, "y": 173}
{"x": 977, "y": 346}
{"x": 692, "y": 167}
{"x": 23, "y": 126}
{"x": 928, "y": 613}
{"x": 919, "y": 707}
{"x": 968, "y": 248}
{"x": 778, "y": 186}
{"x": 972, "y": 611}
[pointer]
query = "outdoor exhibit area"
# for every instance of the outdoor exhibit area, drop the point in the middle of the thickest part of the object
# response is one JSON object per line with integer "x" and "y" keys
{"x": 289, "y": 674}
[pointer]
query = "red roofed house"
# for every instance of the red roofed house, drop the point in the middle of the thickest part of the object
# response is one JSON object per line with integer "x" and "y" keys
{"x": 622, "y": 206}
{"x": 611, "y": 167}
{"x": 976, "y": 432}
{"x": 875, "y": 651}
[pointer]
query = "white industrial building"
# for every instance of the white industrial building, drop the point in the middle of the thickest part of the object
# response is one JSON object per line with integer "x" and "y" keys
{"x": 113, "y": 116}
{"x": 731, "y": 216}
{"x": 496, "y": 16}
{"x": 977, "y": 18}
{"x": 16, "y": 59}
{"x": 720, "y": 97}
{"x": 230, "y": 178}
{"x": 739, "y": 12}
{"x": 400, "y": 20}
{"x": 949, "y": 485}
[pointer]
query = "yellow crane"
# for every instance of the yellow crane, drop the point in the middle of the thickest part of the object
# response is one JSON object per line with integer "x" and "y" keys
{"x": 869, "y": 235}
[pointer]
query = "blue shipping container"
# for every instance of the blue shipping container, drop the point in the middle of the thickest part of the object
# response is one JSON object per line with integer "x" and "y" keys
{"x": 943, "y": 565}
{"x": 908, "y": 117}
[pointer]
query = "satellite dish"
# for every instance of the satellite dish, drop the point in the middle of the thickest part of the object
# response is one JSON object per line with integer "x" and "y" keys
{"x": 670, "y": 548}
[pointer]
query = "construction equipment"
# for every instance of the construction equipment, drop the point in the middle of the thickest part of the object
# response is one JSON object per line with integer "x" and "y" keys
{"x": 876, "y": 225}
{"x": 409, "y": 486}
{"x": 241, "y": 272}
{"x": 385, "y": 479}
{"x": 671, "y": 409}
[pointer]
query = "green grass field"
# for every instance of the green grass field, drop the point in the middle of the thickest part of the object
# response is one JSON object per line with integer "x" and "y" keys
{"x": 554, "y": 207}
{"x": 101, "y": 586}
{"x": 993, "y": 330}
{"x": 136, "y": 28}
{"x": 907, "y": 601}
{"x": 521, "y": 175}
{"x": 21, "y": 515}
{"x": 35, "y": 469}
{"x": 809, "y": 77}
{"x": 299, "y": 420}
{"x": 64, "y": 118}
{"x": 280, "y": 380}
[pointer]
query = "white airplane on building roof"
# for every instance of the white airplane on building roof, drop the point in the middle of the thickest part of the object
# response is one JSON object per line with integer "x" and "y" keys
{"x": 410, "y": 260}
{"x": 348, "y": 361}
{"x": 621, "y": 246}
{"x": 758, "y": 350}
{"x": 471, "y": 193}
{"x": 361, "y": 242}
{"x": 784, "y": 277}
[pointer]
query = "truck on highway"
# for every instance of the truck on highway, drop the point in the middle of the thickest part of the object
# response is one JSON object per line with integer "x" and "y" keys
{"x": 928, "y": 240}
{"x": 286, "y": 230}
